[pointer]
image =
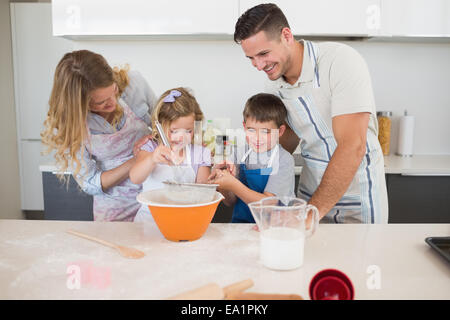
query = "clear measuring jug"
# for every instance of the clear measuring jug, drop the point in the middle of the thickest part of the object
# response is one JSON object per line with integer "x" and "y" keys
{"x": 282, "y": 225}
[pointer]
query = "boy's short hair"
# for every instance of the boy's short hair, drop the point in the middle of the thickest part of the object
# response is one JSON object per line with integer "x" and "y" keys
{"x": 266, "y": 17}
{"x": 264, "y": 107}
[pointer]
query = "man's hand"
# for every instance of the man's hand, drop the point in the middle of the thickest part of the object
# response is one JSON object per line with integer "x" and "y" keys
{"x": 140, "y": 143}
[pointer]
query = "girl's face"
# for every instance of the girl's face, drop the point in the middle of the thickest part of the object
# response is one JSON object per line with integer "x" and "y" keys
{"x": 103, "y": 100}
{"x": 181, "y": 132}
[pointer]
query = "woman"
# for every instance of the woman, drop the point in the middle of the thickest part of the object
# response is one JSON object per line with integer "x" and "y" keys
{"x": 96, "y": 116}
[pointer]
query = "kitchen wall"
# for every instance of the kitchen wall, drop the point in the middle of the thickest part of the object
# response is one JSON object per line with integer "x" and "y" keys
{"x": 405, "y": 75}
{"x": 9, "y": 167}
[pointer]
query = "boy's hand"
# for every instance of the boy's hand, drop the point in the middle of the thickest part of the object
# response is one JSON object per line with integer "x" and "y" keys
{"x": 223, "y": 178}
{"x": 137, "y": 146}
{"x": 215, "y": 174}
{"x": 228, "y": 165}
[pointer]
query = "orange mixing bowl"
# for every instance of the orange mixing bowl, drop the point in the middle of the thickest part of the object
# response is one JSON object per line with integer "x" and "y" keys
{"x": 178, "y": 222}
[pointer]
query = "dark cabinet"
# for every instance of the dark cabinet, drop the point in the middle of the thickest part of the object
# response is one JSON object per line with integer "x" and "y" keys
{"x": 65, "y": 202}
{"x": 412, "y": 199}
{"x": 418, "y": 198}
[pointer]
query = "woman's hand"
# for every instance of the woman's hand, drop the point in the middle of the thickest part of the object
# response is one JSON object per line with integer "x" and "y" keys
{"x": 137, "y": 146}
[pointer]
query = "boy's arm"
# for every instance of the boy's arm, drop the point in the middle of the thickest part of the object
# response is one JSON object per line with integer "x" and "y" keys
{"x": 230, "y": 183}
{"x": 248, "y": 195}
{"x": 229, "y": 197}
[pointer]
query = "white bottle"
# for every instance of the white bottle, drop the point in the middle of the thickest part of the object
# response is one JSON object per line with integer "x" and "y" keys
{"x": 406, "y": 136}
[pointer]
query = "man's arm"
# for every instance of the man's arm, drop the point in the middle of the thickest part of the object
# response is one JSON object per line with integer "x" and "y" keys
{"x": 350, "y": 132}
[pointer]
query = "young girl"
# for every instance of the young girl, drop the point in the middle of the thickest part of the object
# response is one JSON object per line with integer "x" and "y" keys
{"x": 176, "y": 111}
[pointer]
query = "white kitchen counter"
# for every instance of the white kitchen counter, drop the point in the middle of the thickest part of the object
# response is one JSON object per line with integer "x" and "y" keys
{"x": 35, "y": 256}
{"x": 418, "y": 164}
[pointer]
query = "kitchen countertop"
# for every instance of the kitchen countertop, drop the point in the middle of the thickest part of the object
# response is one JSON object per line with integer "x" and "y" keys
{"x": 418, "y": 164}
{"x": 37, "y": 257}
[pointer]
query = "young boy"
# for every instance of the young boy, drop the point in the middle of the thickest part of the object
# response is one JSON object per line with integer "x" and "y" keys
{"x": 264, "y": 168}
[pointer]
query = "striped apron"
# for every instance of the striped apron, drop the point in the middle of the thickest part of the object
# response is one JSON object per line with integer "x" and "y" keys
{"x": 365, "y": 201}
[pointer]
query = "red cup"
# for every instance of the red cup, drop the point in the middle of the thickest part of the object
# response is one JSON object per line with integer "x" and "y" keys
{"x": 331, "y": 284}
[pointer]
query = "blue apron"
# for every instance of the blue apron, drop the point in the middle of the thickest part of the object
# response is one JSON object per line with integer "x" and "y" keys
{"x": 256, "y": 180}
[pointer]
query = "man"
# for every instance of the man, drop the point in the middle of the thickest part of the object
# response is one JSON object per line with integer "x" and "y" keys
{"x": 327, "y": 91}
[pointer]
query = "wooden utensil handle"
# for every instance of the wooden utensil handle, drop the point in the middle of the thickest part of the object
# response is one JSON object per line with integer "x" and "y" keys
{"x": 237, "y": 287}
{"x": 211, "y": 291}
{"x": 263, "y": 296}
{"x": 85, "y": 236}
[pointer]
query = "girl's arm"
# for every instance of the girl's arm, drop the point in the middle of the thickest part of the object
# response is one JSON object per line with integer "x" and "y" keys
{"x": 203, "y": 174}
{"x": 146, "y": 161}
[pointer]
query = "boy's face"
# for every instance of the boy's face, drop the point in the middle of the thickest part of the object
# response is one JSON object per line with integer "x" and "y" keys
{"x": 262, "y": 136}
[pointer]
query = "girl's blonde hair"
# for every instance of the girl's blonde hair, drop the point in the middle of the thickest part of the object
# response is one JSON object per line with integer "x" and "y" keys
{"x": 65, "y": 128}
{"x": 166, "y": 112}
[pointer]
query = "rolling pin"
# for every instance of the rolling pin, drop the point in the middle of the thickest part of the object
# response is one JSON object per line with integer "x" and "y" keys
{"x": 262, "y": 296}
{"x": 212, "y": 291}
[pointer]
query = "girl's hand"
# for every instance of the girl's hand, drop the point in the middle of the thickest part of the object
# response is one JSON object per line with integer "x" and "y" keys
{"x": 163, "y": 154}
{"x": 137, "y": 146}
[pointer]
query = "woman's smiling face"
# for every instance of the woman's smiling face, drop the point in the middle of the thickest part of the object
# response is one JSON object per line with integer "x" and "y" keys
{"x": 103, "y": 100}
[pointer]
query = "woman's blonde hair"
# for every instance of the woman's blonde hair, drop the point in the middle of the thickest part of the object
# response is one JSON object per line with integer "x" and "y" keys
{"x": 65, "y": 128}
{"x": 182, "y": 106}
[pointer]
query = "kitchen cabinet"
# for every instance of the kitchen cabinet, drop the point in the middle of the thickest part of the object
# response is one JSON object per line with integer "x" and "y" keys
{"x": 328, "y": 17}
{"x": 77, "y": 18}
{"x": 35, "y": 55}
{"x": 418, "y": 198}
{"x": 415, "y": 18}
{"x": 65, "y": 202}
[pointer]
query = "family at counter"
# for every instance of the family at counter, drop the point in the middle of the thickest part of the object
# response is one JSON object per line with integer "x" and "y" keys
{"x": 318, "y": 95}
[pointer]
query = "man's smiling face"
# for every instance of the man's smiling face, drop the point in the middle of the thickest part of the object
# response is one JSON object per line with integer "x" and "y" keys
{"x": 269, "y": 55}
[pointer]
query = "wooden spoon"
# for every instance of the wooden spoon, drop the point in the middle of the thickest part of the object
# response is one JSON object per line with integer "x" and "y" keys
{"x": 124, "y": 251}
